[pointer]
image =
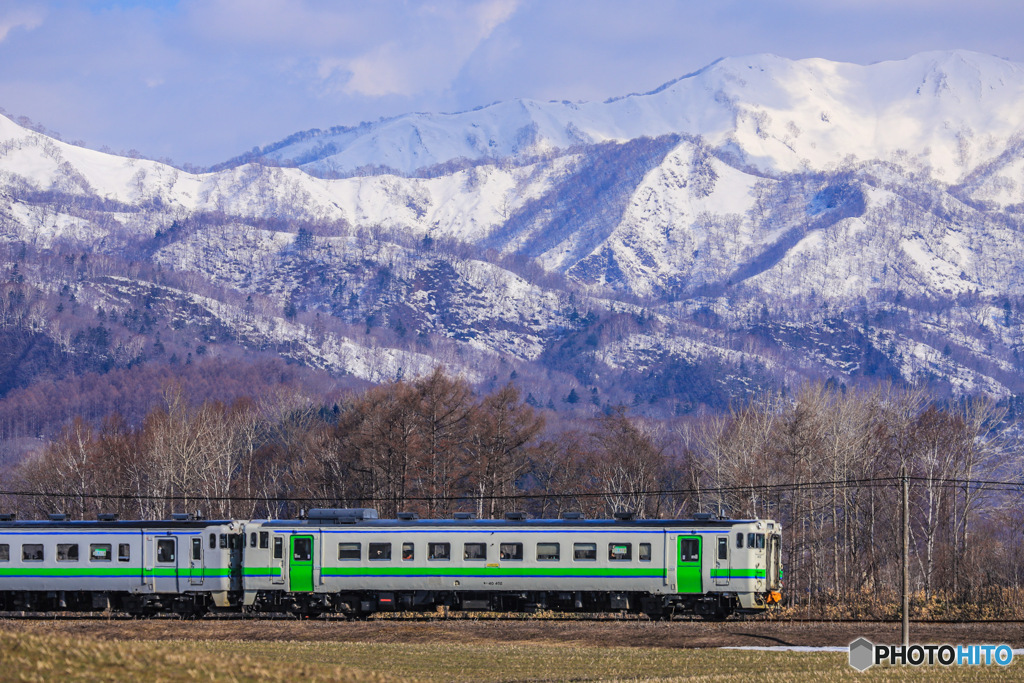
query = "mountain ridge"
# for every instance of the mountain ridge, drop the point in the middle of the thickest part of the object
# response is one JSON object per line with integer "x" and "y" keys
{"x": 408, "y": 143}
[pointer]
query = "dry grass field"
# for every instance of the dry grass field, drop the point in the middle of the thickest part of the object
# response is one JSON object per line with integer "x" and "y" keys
{"x": 169, "y": 650}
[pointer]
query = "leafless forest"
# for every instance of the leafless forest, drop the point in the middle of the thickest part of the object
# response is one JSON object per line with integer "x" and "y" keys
{"x": 825, "y": 462}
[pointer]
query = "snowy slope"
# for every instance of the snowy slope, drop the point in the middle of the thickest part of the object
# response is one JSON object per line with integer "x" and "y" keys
{"x": 948, "y": 110}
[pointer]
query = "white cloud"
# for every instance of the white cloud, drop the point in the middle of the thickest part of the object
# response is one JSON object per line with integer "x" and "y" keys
{"x": 27, "y": 19}
{"x": 436, "y": 43}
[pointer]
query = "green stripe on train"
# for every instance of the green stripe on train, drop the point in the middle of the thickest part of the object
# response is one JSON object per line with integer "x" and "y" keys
{"x": 735, "y": 573}
{"x": 494, "y": 571}
{"x": 105, "y": 572}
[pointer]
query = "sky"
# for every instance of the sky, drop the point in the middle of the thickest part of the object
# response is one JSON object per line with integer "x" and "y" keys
{"x": 200, "y": 81}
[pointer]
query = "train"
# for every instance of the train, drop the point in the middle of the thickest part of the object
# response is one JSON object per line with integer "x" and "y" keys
{"x": 350, "y": 562}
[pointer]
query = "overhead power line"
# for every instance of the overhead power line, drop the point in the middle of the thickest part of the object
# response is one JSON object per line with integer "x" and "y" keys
{"x": 766, "y": 488}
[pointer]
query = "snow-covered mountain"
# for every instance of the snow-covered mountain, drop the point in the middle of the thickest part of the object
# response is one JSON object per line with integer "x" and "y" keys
{"x": 952, "y": 111}
{"x": 757, "y": 222}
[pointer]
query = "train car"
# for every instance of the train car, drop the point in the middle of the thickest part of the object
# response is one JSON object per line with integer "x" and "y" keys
{"x": 349, "y": 561}
{"x": 181, "y": 565}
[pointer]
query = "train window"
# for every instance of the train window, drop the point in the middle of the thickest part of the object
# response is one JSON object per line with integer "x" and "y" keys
{"x": 236, "y": 541}
{"x": 165, "y": 550}
{"x": 100, "y": 552}
{"x": 689, "y": 550}
{"x": 124, "y": 552}
{"x": 278, "y": 548}
{"x": 67, "y": 552}
{"x": 474, "y": 551}
{"x": 380, "y": 551}
{"x": 223, "y": 540}
{"x": 739, "y": 539}
{"x": 302, "y": 548}
{"x": 5, "y": 552}
{"x": 584, "y": 551}
{"x": 620, "y": 551}
{"x": 197, "y": 549}
{"x": 439, "y": 551}
{"x": 760, "y": 541}
{"x": 723, "y": 548}
{"x": 213, "y": 541}
{"x": 645, "y": 552}
{"x": 511, "y": 551}
{"x": 755, "y": 541}
{"x": 408, "y": 551}
{"x": 252, "y": 540}
{"x": 32, "y": 552}
{"x": 548, "y": 552}
{"x": 264, "y": 539}
{"x": 346, "y": 551}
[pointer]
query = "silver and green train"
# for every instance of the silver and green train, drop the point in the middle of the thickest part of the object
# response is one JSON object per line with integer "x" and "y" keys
{"x": 179, "y": 565}
{"x": 350, "y": 562}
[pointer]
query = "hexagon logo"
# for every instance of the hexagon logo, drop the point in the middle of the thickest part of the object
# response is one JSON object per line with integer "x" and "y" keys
{"x": 862, "y": 654}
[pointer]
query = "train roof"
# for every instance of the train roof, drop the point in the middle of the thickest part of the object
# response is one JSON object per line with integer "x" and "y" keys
{"x": 111, "y": 524}
{"x": 495, "y": 524}
{"x": 367, "y": 518}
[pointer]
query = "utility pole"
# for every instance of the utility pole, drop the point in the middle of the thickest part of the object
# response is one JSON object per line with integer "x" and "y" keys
{"x": 905, "y": 482}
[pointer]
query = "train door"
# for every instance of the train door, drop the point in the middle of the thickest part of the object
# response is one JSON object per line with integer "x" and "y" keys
{"x": 774, "y": 573}
{"x": 688, "y": 567}
{"x": 277, "y": 564}
{"x": 164, "y": 564}
{"x": 723, "y": 567}
{"x": 195, "y": 562}
{"x": 300, "y": 564}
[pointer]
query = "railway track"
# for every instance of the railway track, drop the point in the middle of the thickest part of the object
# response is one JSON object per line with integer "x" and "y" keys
{"x": 481, "y": 617}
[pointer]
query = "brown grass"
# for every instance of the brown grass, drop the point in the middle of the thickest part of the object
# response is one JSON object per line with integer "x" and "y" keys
{"x": 210, "y": 650}
{"x": 991, "y": 603}
{"x": 25, "y": 657}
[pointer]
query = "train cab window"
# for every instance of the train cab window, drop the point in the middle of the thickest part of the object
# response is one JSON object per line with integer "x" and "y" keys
{"x": 124, "y": 552}
{"x": 264, "y": 539}
{"x": 67, "y": 552}
{"x": 165, "y": 550}
{"x": 223, "y": 540}
{"x": 278, "y": 548}
{"x": 213, "y": 541}
{"x": 346, "y": 551}
{"x": 584, "y": 551}
{"x": 755, "y": 541}
{"x": 723, "y": 548}
{"x": 408, "y": 551}
{"x": 379, "y": 551}
{"x": 620, "y": 551}
{"x": 32, "y": 552}
{"x": 474, "y": 551}
{"x": 548, "y": 552}
{"x": 197, "y": 549}
{"x": 739, "y": 539}
{"x": 5, "y": 552}
{"x": 645, "y": 552}
{"x": 302, "y": 549}
{"x": 511, "y": 551}
{"x": 252, "y": 540}
{"x": 439, "y": 551}
{"x": 100, "y": 552}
